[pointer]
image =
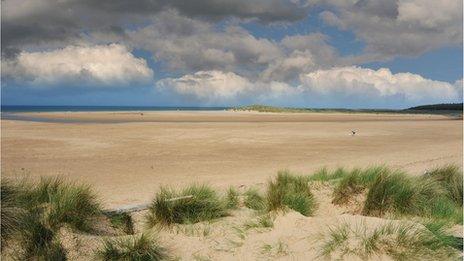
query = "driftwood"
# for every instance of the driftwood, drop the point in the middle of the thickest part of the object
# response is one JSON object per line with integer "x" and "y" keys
{"x": 138, "y": 207}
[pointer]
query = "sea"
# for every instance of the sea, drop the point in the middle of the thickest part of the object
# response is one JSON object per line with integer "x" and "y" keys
{"x": 9, "y": 112}
{"x": 28, "y": 108}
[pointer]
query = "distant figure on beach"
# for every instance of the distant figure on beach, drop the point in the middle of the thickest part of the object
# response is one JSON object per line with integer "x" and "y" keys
{"x": 353, "y": 132}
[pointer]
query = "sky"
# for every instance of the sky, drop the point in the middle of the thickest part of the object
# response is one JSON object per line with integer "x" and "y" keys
{"x": 315, "y": 53}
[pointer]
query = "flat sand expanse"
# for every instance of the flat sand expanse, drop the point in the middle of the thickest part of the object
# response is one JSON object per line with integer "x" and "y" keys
{"x": 126, "y": 156}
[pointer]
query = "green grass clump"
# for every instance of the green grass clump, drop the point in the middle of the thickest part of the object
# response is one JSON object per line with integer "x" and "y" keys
{"x": 63, "y": 203}
{"x": 122, "y": 221}
{"x": 32, "y": 213}
{"x": 325, "y": 175}
{"x": 12, "y": 213}
{"x": 170, "y": 207}
{"x": 254, "y": 200}
{"x": 142, "y": 247}
{"x": 440, "y": 229}
{"x": 390, "y": 193}
{"x": 38, "y": 242}
{"x": 398, "y": 241}
{"x": 450, "y": 177}
{"x": 400, "y": 194}
{"x": 436, "y": 194}
{"x": 354, "y": 182}
{"x": 292, "y": 192}
{"x": 232, "y": 198}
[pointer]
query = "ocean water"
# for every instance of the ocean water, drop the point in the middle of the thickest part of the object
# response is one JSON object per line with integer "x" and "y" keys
{"x": 23, "y": 108}
{"x": 14, "y": 112}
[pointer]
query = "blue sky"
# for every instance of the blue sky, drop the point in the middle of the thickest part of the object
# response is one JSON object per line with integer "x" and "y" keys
{"x": 366, "y": 54}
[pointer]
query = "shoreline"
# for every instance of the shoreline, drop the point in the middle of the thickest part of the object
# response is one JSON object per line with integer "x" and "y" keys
{"x": 212, "y": 116}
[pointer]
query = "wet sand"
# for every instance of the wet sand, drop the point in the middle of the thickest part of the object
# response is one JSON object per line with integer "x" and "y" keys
{"x": 126, "y": 156}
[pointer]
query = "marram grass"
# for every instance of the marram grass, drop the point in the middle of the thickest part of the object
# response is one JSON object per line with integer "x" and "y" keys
{"x": 142, "y": 247}
{"x": 254, "y": 200}
{"x": 290, "y": 191}
{"x": 191, "y": 205}
{"x": 397, "y": 241}
{"x": 32, "y": 213}
{"x": 231, "y": 199}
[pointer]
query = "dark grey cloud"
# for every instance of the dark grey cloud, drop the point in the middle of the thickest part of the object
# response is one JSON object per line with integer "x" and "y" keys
{"x": 394, "y": 28}
{"x": 28, "y": 23}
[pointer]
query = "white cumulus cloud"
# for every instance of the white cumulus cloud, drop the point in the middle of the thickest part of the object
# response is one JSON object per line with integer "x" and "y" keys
{"x": 377, "y": 84}
{"x": 353, "y": 87}
{"x": 99, "y": 66}
{"x": 224, "y": 88}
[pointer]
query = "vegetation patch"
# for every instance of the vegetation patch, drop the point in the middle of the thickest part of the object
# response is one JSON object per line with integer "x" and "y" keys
{"x": 191, "y": 205}
{"x": 143, "y": 247}
{"x": 401, "y": 194}
{"x": 279, "y": 249}
{"x": 397, "y": 241}
{"x": 292, "y": 192}
{"x": 263, "y": 221}
{"x": 437, "y": 194}
{"x": 324, "y": 175}
{"x": 232, "y": 200}
{"x": 355, "y": 182}
{"x": 450, "y": 178}
{"x": 122, "y": 221}
{"x": 254, "y": 200}
{"x": 32, "y": 213}
{"x": 440, "y": 229}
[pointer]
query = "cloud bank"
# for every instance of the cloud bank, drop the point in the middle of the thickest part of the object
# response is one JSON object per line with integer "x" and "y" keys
{"x": 97, "y": 66}
{"x": 336, "y": 87}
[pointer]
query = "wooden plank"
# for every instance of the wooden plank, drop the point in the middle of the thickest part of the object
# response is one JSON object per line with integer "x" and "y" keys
{"x": 139, "y": 207}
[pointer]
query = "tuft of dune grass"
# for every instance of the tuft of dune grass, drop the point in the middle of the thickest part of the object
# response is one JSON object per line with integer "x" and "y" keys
{"x": 290, "y": 191}
{"x": 263, "y": 221}
{"x": 11, "y": 211}
{"x": 122, "y": 221}
{"x": 354, "y": 182}
{"x": 63, "y": 203}
{"x": 450, "y": 177}
{"x": 397, "y": 241}
{"x": 401, "y": 194}
{"x": 254, "y": 200}
{"x": 440, "y": 229}
{"x": 325, "y": 175}
{"x": 433, "y": 195}
{"x": 35, "y": 211}
{"x": 232, "y": 198}
{"x": 143, "y": 247}
{"x": 38, "y": 241}
{"x": 204, "y": 204}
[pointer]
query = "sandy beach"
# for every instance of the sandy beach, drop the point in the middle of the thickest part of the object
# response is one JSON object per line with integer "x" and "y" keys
{"x": 126, "y": 156}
